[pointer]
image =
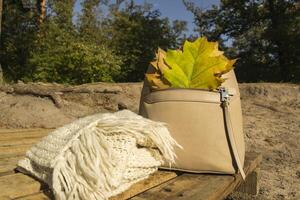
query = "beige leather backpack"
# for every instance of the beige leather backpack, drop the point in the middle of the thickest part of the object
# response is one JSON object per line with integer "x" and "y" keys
{"x": 207, "y": 124}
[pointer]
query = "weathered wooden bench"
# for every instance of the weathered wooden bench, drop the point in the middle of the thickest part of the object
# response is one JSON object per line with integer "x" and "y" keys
{"x": 161, "y": 185}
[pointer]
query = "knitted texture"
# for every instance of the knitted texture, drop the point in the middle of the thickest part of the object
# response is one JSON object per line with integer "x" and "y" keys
{"x": 99, "y": 156}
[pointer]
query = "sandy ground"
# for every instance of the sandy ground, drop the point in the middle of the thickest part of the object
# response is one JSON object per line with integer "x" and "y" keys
{"x": 271, "y": 123}
{"x": 272, "y": 127}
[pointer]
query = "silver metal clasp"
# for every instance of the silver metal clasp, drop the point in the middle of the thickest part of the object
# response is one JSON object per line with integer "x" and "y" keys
{"x": 224, "y": 94}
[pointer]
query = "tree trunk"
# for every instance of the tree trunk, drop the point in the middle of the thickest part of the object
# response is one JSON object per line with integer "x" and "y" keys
{"x": 1, "y": 7}
{"x": 284, "y": 69}
{"x": 274, "y": 32}
{"x": 42, "y": 11}
{"x": 1, "y": 72}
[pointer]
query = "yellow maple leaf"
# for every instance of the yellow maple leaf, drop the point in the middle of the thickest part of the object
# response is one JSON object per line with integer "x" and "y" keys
{"x": 199, "y": 65}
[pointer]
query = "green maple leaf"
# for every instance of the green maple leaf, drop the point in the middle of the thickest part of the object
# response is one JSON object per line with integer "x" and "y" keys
{"x": 199, "y": 65}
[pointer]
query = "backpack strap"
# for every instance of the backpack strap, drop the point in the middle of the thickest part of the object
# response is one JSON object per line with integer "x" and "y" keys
{"x": 228, "y": 123}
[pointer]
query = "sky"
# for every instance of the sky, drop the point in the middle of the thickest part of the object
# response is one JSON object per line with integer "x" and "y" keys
{"x": 174, "y": 9}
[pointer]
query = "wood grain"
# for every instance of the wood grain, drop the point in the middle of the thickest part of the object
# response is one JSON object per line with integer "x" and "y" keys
{"x": 22, "y": 141}
{"x": 22, "y": 130}
{"x": 199, "y": 186}
{"x": 38, "y": 196}
{"x": 17, "y": 185}
{"x": 7, "y": 165}
{"x": 14, "y": 150}
{"x": 12, "y": 136}
{"x": 251, "y": 185}
{"x": 15, "y": 144}
{"x": 155, "y": 179}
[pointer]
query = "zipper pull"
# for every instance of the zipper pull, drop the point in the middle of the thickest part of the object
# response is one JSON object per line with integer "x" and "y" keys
{"x": 224, "y": 94}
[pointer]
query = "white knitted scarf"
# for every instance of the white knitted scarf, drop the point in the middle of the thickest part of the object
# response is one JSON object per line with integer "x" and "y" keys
{"x": 99, "y": 156}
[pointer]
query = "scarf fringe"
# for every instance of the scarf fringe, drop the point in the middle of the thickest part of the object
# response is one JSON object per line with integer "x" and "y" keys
{"x": 84, "y": 170}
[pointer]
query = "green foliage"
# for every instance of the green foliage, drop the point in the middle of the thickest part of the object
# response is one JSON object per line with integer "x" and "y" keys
{"x": 75, "y": 63}
{"x": 65, "y": 55}
{"x": 199, "y": 65}
{"x": 89, "y": 24}
{"x": 137, "y": 31}
{"x": 61, "y": 57}
{"x": 264, "y": 35}
{"x": 62, "y": 13}
{"x": 19, "y": 28}
{"x": 85, "y": 48}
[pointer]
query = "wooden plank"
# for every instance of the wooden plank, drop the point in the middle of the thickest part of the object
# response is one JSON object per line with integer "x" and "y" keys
{"x": 30, "y": 186}
{"x": 22, "y": 130}
{"x": 14, "y": 147}
{"x": 155, "y": 179}
{"x": 7, "y": 165}
{"x": 252, "y": 161}
{"x": 186, "y": 186}
{"x": 17, "y": 185}
{"x": 14, "y": 150}
{"x": 22, "y": 141}
{"x": 21, "y": 135}
{"x": 15, "y": 144}
{"x": 198, "y": 186}
{"x": 4, "y": 156}
{"x": 38, "y": 196}
{"x": 251, "y": 185}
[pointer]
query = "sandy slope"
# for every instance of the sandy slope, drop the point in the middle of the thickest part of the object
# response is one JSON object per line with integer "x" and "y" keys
{"x": 272, "y": 127}
{"x": 271, "y": 124}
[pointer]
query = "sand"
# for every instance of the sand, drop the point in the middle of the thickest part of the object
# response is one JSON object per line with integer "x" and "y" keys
{"x": 272, "y": 126}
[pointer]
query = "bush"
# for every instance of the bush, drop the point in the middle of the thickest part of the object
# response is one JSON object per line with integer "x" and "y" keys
{"x": 63, "y": 58}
